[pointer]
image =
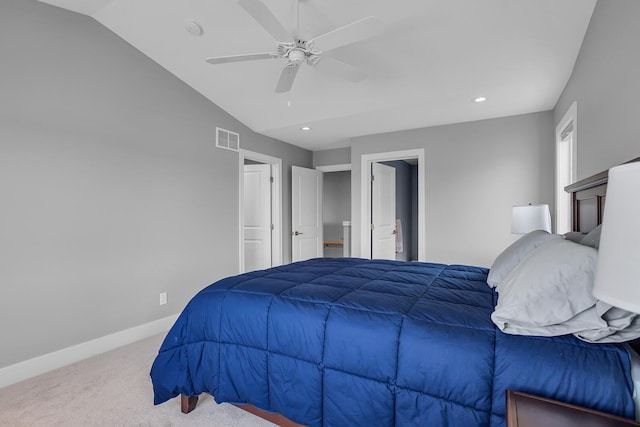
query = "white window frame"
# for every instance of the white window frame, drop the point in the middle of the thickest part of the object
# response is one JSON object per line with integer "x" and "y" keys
{"x": 563, "y": 199}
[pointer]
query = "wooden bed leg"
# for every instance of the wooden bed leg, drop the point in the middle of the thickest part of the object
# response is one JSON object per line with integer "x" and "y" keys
{"x": 188, "y": 403}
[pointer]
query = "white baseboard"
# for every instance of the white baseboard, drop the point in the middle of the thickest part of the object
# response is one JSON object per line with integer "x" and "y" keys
{"x": 57, "y": 359}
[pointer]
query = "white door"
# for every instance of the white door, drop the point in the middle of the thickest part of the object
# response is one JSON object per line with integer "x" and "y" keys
{"x": 306, "y": 215}
{"x": 257, "y": 217}
{"x": 383, "y": 211}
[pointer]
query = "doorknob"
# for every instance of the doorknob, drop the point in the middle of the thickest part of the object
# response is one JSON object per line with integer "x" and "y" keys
{"x": 296, "y": 233}
{"x": 394, "y": 232}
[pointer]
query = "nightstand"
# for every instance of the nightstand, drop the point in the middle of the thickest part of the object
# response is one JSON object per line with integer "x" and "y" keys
{"x": 527, "y": 410}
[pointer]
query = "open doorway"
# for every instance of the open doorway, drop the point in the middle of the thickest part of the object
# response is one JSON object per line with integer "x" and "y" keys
{"x": 415, "y": 157}
{"x": 260, "y": 211}
{"x": 336, "y": 213}
{"x": 406, "y": 209}
{"x": 336, "y": 210}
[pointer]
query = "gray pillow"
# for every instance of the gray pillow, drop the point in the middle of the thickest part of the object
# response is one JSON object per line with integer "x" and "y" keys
{"x": 549, "y": 292}
{"x": 511, "y": 256}
{"x": 592, "y": 238}
{"x": 574, "y": 236}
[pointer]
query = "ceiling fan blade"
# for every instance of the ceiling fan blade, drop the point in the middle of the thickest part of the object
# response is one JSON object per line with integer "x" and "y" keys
{"x": 351, "y": 33}
{"x": 238, "y": 58}
{"x": 263, "y": 15}
{"x": 287, "y": 77}
{"x": 341, "y": 69}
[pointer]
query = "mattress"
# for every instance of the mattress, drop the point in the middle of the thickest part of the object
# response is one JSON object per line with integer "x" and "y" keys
{"x": 350, "y": 341}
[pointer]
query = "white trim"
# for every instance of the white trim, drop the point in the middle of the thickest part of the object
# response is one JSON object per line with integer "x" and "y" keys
{"x": 276, "y": 204}
{"x": 57, "y": 359}
{"x": 569, "y": 118}
{"x": 334, "y": 168}
{"x": 365, "y": 197}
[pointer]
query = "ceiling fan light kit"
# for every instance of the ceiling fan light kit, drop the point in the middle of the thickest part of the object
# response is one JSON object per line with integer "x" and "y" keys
{"x": 297, "y": 56}
{"x": 300, "y": 51}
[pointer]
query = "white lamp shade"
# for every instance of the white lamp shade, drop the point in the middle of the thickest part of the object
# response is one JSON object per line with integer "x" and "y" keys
{"x": 527, "y": 218}
{"x": 617, "y": 280}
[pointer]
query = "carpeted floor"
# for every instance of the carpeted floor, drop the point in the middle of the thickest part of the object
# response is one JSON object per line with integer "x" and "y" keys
{"x": 112, "y": 389}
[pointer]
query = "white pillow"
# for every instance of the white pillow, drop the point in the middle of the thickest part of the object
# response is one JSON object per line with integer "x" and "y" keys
{"x": 510, "y": 257}
{"x": 549, "y": 292}
{"x": 621, "y": 325}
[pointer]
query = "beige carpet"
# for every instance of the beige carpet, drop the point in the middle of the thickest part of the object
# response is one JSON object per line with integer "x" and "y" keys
{"x": 112, "y": 389}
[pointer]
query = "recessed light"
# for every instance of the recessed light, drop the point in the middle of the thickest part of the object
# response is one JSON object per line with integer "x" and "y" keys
{"x": 193, "y": 28}
{"x": 479, "y": 99}
{"x": 305, "y": 128}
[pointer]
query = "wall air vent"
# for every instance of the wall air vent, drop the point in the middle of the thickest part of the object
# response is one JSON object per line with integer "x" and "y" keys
{"x": 227, "y": 139}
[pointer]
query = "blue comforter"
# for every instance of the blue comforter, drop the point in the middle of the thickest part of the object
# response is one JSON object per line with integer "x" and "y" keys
{"x": 353, "y": 342}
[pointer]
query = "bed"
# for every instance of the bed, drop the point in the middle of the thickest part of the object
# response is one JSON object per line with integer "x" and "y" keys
{"x": 334, "y": 342}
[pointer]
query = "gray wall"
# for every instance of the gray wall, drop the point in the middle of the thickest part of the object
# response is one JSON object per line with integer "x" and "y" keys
{"x": 605, "y": 85}
{"x": 336, "y": 156}
{"x": 112, "y": 189}
{"x": 475, "y": 172}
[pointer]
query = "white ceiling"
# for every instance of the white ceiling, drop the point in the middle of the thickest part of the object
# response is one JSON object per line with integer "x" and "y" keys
{"x": 432, "y": 59}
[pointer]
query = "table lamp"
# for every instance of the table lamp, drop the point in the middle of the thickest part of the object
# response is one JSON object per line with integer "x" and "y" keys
{"x": 527, "y": 218}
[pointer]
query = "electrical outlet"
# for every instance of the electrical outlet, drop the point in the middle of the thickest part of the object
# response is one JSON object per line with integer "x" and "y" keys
{"x": 163, "y": 298}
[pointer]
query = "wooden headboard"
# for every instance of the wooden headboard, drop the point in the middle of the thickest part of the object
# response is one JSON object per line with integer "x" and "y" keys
{"x": 588, "y": 198}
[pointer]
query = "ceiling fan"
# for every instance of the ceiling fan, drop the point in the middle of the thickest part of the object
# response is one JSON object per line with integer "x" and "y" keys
{"x": 298, "y": 52}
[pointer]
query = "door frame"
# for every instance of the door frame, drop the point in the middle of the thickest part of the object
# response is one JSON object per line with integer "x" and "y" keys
{"x": 276, "y": 204}
{"x": 335, "y": 168}
{"x": 365, "y": 197}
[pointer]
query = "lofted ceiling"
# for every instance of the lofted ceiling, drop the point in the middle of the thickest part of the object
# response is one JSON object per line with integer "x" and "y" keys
{"x": 431, "y": 60}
